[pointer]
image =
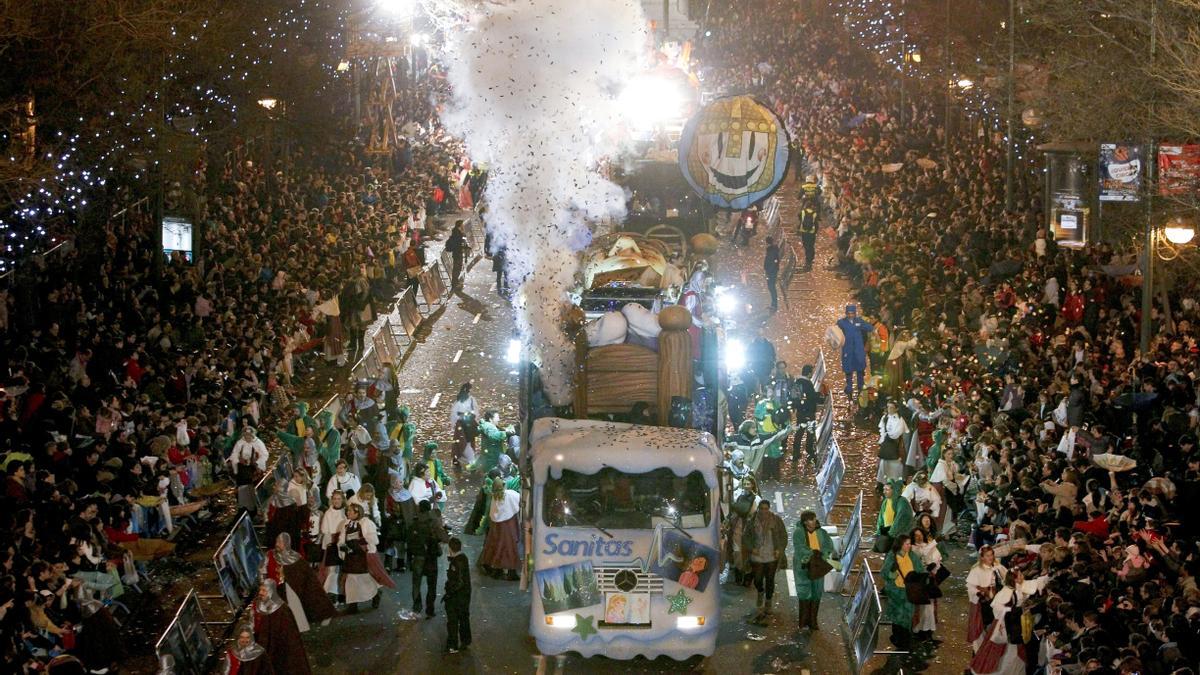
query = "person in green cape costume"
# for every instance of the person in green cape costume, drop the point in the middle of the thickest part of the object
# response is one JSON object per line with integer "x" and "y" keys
{"x": 807, "y": 539}
{"x": 403, "y": 431}
{"x": 764, "y": 416}
{"x": 329, "y": 442}
{"x": 293, "y": 433}
{"x": 895, "y": 516}
{"x": 492, "y": 440}
{"x": 437, "y": 471}
{"x": 899, "y": 612}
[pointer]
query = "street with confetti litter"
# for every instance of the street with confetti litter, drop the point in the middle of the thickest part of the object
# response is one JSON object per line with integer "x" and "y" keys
{"x": 545, "y": 336}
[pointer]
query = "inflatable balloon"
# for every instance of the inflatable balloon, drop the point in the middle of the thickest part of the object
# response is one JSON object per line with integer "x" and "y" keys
{"x": 834, "y": 337}
{"x": 734, "y": 152}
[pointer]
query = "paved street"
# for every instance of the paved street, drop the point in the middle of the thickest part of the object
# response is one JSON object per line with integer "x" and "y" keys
{"x": 467, "y": 342}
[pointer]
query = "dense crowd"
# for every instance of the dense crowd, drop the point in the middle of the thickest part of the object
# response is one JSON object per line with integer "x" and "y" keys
{"x": 1009, "y": 368}
{"x": 1016, "y": 415}
{"x": 130, "y": 377}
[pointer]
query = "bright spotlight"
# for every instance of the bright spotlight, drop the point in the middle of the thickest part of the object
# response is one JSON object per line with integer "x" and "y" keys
{"x": 268, "y": 103}
{"x": 724, "y": 301}
{"x": 735, "y": 356}
{"x": 649, "y": 101}
{"x": 513, "y": 355}
{"x": 965, "y": 84}
{"x": 343, "y": 66}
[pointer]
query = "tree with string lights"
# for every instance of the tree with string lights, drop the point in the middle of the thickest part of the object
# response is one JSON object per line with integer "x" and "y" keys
{"x": 113, "y": 97}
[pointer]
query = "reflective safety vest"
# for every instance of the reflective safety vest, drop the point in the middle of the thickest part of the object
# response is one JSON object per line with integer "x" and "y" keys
{"x": 808, "y": 221}
{"x": 809, "y": 190}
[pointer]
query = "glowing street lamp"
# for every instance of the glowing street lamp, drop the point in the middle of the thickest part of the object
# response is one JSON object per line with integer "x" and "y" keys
{"x": 1179, "y": 231}
{"x": 965, "y": 84}
{"x": 268, "y": 103}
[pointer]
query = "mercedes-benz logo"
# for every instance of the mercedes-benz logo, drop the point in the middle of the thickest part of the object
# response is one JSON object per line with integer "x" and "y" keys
{"x": 626, "y": 580}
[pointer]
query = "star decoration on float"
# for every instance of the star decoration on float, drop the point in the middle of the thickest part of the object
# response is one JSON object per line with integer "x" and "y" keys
{"x": 679, "y": 603}
{"x": 584, "y": 625}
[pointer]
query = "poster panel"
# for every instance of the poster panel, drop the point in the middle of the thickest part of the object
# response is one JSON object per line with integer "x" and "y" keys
{"x": 1121, "y": 170}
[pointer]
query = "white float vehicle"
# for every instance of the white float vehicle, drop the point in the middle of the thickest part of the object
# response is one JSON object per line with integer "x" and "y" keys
{"x": 625, "y": 539}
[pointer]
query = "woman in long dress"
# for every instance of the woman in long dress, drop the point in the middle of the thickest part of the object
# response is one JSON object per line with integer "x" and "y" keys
{"x": 500, "y": 547}
{"x": 983, "y": 581}
{"x": 331, "y": 530}
{"x": 892, "y": 430}
{"x": 358, "y": 538}
{"x": 926, "y": 548}
{"x": 303, "y": 592}
{"x": 370, "y": 507}
{"x": 996, "y": 655}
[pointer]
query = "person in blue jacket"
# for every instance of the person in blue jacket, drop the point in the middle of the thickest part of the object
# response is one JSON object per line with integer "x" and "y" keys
{"x": 854, "y": 348}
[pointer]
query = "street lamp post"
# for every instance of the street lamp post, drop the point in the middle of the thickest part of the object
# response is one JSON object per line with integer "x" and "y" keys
{"x": 1174, "y": 234}
{"x": 1148, "y": 272}
{"x": 1009, "y": 160}
{"x": 947, "y": 75}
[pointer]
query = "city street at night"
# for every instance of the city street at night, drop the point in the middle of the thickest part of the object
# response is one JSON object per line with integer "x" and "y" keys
{"x": 826, "y": 337}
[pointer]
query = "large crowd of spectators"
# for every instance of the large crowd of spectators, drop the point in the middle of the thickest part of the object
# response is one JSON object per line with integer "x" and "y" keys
{"x": 1069, "y": 456}
{"x": 128, "y": 376}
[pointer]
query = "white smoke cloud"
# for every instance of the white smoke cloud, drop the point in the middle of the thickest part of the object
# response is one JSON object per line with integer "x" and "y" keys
{"x": 536, "y": 84}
